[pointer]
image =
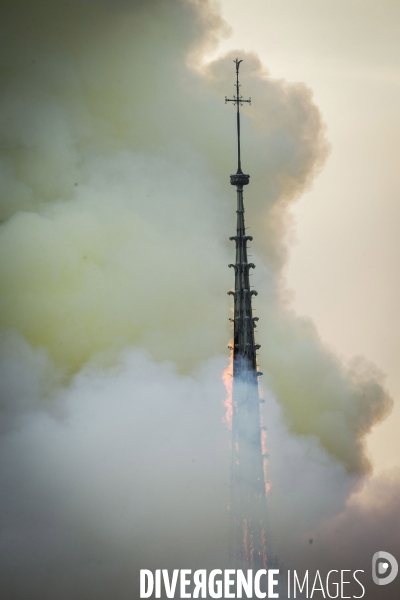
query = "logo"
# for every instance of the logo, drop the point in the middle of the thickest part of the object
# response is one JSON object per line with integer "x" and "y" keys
{"x": 384, "y": 568}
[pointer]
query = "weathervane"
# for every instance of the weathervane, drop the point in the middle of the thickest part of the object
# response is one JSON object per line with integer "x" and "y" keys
{"x": 238, "y": 102}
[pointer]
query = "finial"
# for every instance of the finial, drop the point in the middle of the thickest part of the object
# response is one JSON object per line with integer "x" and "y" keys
{"x": 238, "y": 101}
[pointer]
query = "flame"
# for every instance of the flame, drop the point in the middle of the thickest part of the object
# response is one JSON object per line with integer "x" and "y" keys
{"x": 227, "y": 378}
{"x": 264, "y": 441}
{"x": 265, "y": 458}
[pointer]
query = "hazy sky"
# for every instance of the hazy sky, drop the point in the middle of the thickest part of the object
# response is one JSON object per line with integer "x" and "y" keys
{"x": 344, "y": 264}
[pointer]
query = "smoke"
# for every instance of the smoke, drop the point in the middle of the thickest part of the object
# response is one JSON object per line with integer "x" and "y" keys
{"x": 128, "y": 468}
{"x": 115, "y": 148}
{"x": 120, "y": 471}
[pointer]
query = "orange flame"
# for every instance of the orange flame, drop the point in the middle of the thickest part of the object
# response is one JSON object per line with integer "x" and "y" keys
{"x": 264, "y": 441}
{"x": 227, "y": 376}
{"x": 265, "y": 458}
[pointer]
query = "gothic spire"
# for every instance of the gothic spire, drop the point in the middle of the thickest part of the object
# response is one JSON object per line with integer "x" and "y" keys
{"x": 244, "y": 345}
{"x": 248, "y": 531}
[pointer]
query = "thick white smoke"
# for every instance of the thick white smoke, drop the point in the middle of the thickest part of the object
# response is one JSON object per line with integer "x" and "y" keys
{"x": 116, "y": 148}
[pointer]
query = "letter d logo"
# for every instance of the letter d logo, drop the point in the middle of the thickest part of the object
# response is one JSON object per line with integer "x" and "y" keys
{"x": 385, "y": 564}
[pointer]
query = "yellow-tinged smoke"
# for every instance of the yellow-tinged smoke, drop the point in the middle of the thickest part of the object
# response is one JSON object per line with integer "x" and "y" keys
{"x": 115, "y": 151}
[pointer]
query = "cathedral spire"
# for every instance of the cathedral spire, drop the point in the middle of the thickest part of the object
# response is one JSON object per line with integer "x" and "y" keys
{"x": 248, "y": 531}
{"x": 244, "y": 345}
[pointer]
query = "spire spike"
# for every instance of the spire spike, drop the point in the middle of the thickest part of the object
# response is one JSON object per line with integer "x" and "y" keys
{"x": 238, "y": 102}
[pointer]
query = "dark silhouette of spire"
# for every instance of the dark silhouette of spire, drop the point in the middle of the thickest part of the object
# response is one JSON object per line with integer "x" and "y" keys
{"x": 248, "y": 545}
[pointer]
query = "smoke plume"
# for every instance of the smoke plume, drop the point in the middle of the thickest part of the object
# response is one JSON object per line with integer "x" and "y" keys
{"x": 115, "y": 151}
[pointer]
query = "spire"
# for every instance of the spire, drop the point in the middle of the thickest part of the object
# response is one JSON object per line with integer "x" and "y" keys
{"x": 248, "y": 531}
{"x": 244, "y": 345}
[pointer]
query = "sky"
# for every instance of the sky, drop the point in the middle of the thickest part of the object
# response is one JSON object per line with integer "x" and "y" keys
{"x": 116, "y": 210}
{"x": 344, "y": 257}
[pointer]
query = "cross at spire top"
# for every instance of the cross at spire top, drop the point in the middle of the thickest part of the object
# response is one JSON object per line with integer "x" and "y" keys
{"x": 238, "y": 102}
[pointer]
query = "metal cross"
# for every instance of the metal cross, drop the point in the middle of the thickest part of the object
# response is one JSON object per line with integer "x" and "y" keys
{"x": 237, "y": 101}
